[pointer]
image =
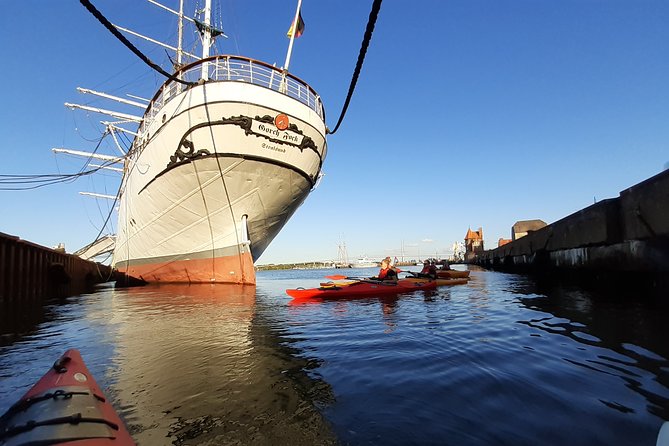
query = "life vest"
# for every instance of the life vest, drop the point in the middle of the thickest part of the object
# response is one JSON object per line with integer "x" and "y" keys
{"x": 388, "y": 274}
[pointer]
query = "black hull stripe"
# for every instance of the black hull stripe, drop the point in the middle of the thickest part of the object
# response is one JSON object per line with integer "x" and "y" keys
{"x": 231, "y": 155}
{"x": 167, "y": 121}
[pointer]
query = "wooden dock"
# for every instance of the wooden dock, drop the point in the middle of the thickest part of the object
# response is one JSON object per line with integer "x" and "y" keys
{"x": 30, "y": 272}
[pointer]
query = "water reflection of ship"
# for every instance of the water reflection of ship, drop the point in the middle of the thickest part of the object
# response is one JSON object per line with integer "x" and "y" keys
{"x": 199, "y": 361}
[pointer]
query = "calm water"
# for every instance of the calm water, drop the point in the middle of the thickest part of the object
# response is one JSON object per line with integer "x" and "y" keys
{"x": 498, "y": 361}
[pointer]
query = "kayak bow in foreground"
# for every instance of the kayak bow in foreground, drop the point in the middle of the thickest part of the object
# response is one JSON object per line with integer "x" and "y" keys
{"x": 360, "y": 288}
{"x": 65, "y": 407}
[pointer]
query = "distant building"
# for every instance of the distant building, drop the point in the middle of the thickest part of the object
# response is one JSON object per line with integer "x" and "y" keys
{"x": 503, "y": 241}
{"x": 521, "y": 228}
{"x": 473, "y": 243}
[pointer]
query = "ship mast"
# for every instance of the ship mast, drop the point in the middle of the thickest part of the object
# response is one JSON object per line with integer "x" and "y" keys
{"x": 292, "y": 35}
{"x": 180, "y": 35}
{"x": 206, "y": 39}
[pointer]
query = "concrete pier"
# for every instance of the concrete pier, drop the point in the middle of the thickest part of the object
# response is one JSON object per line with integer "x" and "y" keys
{"x": 614, "y": 237}
{"x": 30, "y": 272}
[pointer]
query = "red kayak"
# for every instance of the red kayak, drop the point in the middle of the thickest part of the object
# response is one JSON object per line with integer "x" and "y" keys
{"x": 452, "y": 274}
{"x": 360, "y": 288}
{"x": 439, "y": 282}
{"x": 66, "y": 407}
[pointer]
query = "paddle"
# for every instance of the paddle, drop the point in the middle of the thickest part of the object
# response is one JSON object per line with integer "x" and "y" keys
{"x": 338, "y": 277}
{"x": 341, "y": 277}
{"x": 359, "y": 280}
{"x": 414, "y": 275}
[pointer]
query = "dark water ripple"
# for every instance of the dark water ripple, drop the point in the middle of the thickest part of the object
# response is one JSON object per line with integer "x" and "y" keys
{"x": 501, "y": 360}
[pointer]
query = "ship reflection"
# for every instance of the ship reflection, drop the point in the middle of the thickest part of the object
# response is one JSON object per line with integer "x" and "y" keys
{"x": 194, "y": 362}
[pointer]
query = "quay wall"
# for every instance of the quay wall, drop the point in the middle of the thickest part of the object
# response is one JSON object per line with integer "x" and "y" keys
{"x": 629, "y": 233}
{"x": 30, "y": 272}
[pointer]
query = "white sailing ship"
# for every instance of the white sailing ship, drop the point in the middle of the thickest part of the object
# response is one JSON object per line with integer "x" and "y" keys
{"x": 225, "y": 152}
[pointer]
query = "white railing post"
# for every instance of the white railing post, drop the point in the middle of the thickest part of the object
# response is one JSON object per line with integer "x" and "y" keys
{"x": 246, "y": 70}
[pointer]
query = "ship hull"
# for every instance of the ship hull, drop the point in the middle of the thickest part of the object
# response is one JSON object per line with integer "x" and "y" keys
{"x": 236, "y": 267}
{"x": 212, "y": 180}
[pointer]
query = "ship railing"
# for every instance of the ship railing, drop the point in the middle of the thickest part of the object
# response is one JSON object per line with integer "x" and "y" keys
{"x": 235, "y": 69}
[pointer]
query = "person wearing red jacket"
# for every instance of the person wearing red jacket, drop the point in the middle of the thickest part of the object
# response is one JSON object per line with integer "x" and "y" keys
{"x": 387, "y": 272}
{"x": 429, "y": 270}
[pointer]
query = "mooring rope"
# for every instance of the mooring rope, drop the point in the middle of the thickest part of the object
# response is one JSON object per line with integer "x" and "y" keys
{"x": 112, "y": 29}
{"x": 371, "y": 22}
{"x": 361, "y": 58}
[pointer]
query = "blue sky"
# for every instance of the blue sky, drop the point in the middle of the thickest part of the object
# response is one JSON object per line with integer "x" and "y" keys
{"x": 468, "y": 113}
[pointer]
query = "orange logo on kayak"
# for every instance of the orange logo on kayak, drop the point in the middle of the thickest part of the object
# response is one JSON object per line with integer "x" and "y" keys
{"x": 281, "y": 122}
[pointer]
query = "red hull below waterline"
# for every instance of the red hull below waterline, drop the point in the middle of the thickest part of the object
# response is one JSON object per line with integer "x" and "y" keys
{"x": 65, "y": 407}
{"x": 236, "y": 269}
{"x": 361, "y": 288}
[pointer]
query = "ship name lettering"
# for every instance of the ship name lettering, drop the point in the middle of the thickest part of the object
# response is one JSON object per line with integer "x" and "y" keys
{"x": 272, "y": 147}
{"x": 291, "y": 138}
{"x": 269, "y": 130}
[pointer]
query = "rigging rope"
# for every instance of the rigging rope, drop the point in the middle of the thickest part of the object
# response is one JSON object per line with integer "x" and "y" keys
{"x": 112, "y": 29}
{"x": 373, "y": 14}
{"x": 27, "y": 182}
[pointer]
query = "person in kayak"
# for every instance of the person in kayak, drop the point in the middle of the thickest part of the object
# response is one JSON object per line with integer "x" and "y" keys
{"x": 429, "y": 270}
{"x": 391, "y": 263}
{"x": 386, "y": 272}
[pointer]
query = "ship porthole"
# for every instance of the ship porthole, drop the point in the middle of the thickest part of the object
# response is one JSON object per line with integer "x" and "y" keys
{"x": 164, "y": 118}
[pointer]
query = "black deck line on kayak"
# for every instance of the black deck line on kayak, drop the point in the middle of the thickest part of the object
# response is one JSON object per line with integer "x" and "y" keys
{"x": 359, "y": 282}
{"x": 23, "y": 405}
{"x": 373, "y": 281}
{"x": 70, "y": 419}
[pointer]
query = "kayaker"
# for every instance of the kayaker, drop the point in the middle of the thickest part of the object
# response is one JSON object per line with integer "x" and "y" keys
{"x": 387, "y": 272}
{"x": 392, "y": 264}
{"x": 445, "y": 266}
{"x": 429, "y": 270}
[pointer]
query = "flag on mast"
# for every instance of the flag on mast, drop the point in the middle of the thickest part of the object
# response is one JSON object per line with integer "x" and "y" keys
{"x": 300, "y": 27}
